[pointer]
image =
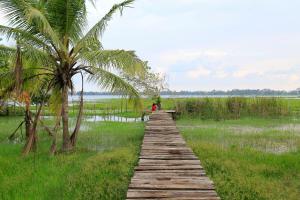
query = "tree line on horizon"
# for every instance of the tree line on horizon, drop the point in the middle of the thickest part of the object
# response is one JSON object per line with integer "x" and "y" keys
{"x": 234, "y": 92}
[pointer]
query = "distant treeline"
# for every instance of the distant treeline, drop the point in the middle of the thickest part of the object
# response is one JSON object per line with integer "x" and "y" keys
{"x": 235, "y": 92}
{"x": 98, "y": 93}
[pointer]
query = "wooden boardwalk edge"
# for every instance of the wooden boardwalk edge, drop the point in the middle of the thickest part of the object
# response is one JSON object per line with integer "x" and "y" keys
{"x": 167, "y": 168}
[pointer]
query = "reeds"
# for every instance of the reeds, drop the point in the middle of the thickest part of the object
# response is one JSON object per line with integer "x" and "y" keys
{"x": 232, "y": 107}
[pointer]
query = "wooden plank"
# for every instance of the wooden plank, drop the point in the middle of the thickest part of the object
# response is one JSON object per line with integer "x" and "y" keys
{"x": 167, "y": 168}
{"x": 171, "y": 184}
{"x": 168, "y": 162}
{"x": 164, "y": 167}
{"x": 170, "y": 173}
{"x": 179, "y": 194}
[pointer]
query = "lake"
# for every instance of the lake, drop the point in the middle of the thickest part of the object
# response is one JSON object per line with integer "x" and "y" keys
{"x": 107, "y": 97}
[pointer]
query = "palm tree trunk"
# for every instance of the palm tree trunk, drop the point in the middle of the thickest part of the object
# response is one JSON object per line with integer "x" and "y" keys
{"x": 79, "y": 117}
{"x": 27, "y": 122}
{"x": 74, "y": 135}
{"x": 65, "y": 120}
{"x": 32, "y": 138}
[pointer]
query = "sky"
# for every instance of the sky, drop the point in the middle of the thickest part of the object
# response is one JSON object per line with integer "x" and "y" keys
{"x": 209, "y": 44}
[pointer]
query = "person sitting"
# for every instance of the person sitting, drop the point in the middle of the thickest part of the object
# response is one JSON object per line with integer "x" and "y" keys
{"x": 154, "y": 107}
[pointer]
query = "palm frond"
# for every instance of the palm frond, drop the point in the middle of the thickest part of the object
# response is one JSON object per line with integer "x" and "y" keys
{"x": 123, "y": 61}
{"x": 15, "y": 33}
{"x": 97, "y": 30}
{"x": 36, "y": 57}
{"x": 24, "y": 15}
{"x": 71, "y": 15}
{"x": 6, "y": 51}
{"x": 37, "y": 17}
{"x": 115, "y": 84}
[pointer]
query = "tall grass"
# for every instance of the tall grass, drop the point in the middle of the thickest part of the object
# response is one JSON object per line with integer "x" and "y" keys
{"x": 251, "y": 159}
{"x": 232, "y": 107}
{"x": 100, "y": 168}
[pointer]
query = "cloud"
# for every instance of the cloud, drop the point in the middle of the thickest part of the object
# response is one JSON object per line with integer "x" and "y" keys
{"x": 294, "y": 77}
{"x": 220, "y": 74}
{"x": 170, "y": 61}
{"x": 188, "y": 55}
{"x": 266, "y": 67}
{"x": 198, "y": 72}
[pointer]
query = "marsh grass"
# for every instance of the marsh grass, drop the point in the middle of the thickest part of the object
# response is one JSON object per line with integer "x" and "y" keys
{"x": 259, "y": 160}
{"x": 100, "y": 168}
{"x": 233, "y": 107}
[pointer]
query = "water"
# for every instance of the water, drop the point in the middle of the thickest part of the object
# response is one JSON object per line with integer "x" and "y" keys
{"x": 111, "y": 118}
{"x": 107, "y": 97}
{"x": 94, "y": 97}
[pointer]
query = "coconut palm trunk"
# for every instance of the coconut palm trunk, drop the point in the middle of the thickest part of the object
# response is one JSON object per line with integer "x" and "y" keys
{"x": 65, "y": 120}
{"x": 31, "y": 142}
{"x": 79, "y": 117}
{"x": 27, "y": 120}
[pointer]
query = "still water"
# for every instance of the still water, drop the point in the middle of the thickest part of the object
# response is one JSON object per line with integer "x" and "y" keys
{"x": 100, "y": 118}
{"x": 107, "y": 97}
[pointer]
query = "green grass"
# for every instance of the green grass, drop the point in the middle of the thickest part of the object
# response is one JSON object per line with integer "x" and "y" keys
{"x": 100, "y": 168}
{"x": 121, "y": 107}
{"x": 248, "y": 158}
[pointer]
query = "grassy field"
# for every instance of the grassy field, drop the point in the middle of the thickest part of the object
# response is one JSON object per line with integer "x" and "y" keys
{"x": 100, "y": 168}
{"x": 250, "y": 158}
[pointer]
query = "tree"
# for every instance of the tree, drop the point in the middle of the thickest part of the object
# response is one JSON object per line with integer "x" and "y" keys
{"x": 152, "y": 85}
{"x": 18, "y": 84}
{"x": 51, "y": 39}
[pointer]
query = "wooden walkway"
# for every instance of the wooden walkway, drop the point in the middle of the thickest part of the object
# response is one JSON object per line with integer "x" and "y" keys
{"x": 167, "y": 168}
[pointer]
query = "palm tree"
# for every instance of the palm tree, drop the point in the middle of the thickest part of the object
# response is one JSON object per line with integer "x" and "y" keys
{"x": 51, "y": 37}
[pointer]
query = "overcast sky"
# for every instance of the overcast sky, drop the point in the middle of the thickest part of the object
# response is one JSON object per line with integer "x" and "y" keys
{"x": 210, "y": 44}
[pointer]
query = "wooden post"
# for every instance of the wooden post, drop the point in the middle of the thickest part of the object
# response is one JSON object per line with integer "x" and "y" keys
{"x": 73, "y": 107}
{"x": 14, "y": 108}
{"x": 121, "y": 105}
{"x": 94, "y": 110}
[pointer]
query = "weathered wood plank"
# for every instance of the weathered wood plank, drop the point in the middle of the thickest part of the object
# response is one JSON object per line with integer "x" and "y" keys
{"x": 170, "y": 173}
{"x": 168, "y": 162}
{"x": 179, "y": 194}
{"x": 168, "y": 167}
{"x": 171, "y": 184}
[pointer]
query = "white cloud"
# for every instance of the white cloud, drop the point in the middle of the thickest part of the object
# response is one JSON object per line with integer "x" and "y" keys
{"x": 168, "y": 59}
{"x": 198, "y": 72}
{"x": 221, "y": 74}
{"x": 294, "y": 77}
{"x": 266, "y": 67}
{"x": 189, "y": 55}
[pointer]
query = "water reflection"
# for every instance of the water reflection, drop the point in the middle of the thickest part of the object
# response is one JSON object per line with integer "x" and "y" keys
{"x": 113, "y": 118}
